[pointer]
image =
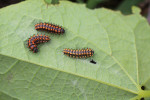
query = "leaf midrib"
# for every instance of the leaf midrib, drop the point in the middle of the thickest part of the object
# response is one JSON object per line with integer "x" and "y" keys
{"x": 112, "y": 85}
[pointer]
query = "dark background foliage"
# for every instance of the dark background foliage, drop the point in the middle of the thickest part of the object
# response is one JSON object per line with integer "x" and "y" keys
{"x": 122, "y": 5}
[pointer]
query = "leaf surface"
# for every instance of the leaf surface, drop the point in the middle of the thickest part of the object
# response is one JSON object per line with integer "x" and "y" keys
{"x": 121, "y": 46}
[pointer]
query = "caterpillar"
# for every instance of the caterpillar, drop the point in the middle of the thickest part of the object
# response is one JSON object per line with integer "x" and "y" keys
{"x": 34, "y": 40}
{"x": 75, "y": 53}
{"x": 50, "y": 27}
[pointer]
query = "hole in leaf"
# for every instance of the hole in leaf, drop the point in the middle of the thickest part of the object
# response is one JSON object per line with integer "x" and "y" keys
{"x": 93, "y": 62}
{"x": 142, "y": 98}
{"x": 143, "y": 87}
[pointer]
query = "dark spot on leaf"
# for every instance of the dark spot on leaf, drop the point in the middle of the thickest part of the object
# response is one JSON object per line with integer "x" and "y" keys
{"x": 93, "y": 62}
{"x": 143, "y": 87}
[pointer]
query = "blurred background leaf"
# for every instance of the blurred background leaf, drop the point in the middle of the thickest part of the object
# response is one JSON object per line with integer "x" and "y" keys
{"x": 125, "y": 6}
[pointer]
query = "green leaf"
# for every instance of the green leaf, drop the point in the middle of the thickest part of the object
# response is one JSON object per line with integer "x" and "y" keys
{"x": 48, "y": 1}
{"x": 80, "y": 1}
{"x": 121, "y": 46}
{"x": 93, "y": 3}
{"x": 136, "y": 10}
{"x": 126, "y": 5}
{"x": 51, "y": 1}
{"x": 4, "y": 96}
